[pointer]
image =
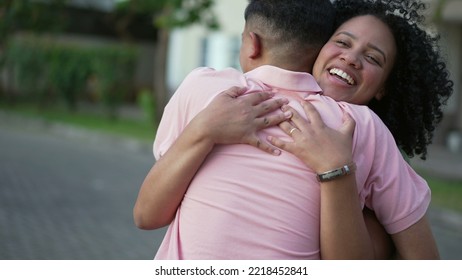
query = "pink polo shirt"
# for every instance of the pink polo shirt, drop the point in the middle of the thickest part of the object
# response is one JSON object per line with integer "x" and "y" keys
{"x": 244, "y": 203}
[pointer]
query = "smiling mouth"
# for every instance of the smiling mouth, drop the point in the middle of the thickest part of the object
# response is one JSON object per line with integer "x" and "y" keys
{"x": 342, "y": 75}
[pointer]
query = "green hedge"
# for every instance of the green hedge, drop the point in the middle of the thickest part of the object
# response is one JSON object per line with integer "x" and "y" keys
{"x": 44, "y": 70}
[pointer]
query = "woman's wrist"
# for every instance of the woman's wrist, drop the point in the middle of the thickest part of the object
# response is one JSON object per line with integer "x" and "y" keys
{"x": 200, "y": 134}
{"x": 328, "y": 161}
{"x": 336, "y": 173}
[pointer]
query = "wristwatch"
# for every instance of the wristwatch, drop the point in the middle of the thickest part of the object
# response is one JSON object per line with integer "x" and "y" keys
{"x": 335, "y": 173}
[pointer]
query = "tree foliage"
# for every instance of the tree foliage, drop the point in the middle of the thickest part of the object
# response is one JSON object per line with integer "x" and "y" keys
{"x": 170, "y": 14}
{"x": 49, "y": 15}
{"x": 167, "y": 15}
{"x": 30, "y": 15}
{"x": 44, "y": 71}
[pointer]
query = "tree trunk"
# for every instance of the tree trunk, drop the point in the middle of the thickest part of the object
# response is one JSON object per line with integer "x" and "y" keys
{"x": 161, "y": 93}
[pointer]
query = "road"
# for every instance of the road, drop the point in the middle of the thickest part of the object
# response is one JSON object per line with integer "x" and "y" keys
{"x": 64, "y": 195}
{"x": 65, "y": 198}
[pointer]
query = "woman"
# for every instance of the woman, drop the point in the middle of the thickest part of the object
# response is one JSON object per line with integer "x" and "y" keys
{"x": 418, "y": 85}
{"x": 409, "y": 144}
{"x": 408, "y": 101}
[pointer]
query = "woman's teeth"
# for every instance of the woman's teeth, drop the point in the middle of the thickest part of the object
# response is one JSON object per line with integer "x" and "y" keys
{"x": 343, "y": 75}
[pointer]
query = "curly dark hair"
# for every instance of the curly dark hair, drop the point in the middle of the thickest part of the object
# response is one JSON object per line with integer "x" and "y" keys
{"x": 419, "y": 83}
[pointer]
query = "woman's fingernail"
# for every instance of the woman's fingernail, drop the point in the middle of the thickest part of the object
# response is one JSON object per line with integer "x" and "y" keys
{"x": 276, "y": 152}
{"x": 288, "y": 114}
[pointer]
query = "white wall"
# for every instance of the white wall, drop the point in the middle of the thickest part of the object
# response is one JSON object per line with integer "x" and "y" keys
{"x": 452, "y": 36}
{"x": 451, "y": 42}
{"x": 186, "y": 45}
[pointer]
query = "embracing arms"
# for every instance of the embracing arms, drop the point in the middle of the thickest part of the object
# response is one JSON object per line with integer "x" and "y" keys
{"x": 229, "y": 120}
{"x": 343, "y": 232}
{"x": 346, "y": 230}
{"x": 232, "y": 120}
{"x": 226, "y": 120}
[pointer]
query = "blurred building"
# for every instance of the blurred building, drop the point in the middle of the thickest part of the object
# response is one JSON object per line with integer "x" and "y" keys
{"x": 195, "y": 46}
{"x": 446, "y": 15}
{"x": 92, "y": 22}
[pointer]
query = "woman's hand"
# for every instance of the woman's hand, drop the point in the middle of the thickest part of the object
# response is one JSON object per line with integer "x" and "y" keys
{"x": 320, "y": 147}
{"x": 343, "y": 233}
{"x": 234, "y": 118}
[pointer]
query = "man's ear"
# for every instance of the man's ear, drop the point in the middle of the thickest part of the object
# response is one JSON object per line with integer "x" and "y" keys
{"x": 256, "y": 45}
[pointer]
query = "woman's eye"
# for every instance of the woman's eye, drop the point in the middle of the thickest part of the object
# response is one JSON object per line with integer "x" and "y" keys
{"x": 373, "y": 60}
{"x": 341, "y": 43}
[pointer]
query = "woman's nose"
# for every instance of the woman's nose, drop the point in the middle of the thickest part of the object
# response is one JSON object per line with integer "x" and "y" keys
{"x": 351, "y": 59}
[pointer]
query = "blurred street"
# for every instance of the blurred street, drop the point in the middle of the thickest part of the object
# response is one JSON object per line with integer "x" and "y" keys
{"x": 70, "y": 197}
{"x": 68, "y": 194}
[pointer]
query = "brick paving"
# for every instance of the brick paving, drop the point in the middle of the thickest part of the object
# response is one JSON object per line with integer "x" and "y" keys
{"x": 64, "y": 198}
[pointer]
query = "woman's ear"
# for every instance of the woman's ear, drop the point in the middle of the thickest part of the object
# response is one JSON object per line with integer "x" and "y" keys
{"x": 255, "y": 45}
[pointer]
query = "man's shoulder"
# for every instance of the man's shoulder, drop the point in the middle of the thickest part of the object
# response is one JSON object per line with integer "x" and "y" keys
{"x": 362, "y": 114}
{"x": 206, "y": 82}
{"x": 212, "y": 72}
{"x": 360, "y": 109}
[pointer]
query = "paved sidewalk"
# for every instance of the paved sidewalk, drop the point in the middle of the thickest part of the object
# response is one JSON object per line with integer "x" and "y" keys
{"x": 70, "y": 197}
{"x": 441, "y": 163}
{"x": 446, "y": 224}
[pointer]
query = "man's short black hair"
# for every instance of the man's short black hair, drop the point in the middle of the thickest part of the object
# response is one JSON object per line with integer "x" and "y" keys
{"x": 303, "y": 21}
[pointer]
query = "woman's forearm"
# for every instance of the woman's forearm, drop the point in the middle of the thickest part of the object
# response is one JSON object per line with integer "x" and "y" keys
{"x": 416, "y": 242}
{"x": 343, "y": 232}
{"x": 226, "y": 120}
{"x": 166, "y": 183}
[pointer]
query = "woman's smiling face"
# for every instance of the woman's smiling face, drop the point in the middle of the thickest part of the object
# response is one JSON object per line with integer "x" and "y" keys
{"x": 356, "y": 61}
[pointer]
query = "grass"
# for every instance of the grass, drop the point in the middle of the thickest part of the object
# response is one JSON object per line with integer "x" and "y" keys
{"x": 132, "y": 128}
{"x": 445, "y": 193}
